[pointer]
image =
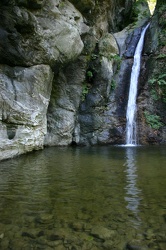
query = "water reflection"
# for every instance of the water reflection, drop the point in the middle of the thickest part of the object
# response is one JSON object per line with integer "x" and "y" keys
{"x": 84, "y": 198}
{"x": 132, "y": 191}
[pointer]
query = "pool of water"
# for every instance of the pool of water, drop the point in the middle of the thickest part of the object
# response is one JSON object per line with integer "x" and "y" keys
{"x": 84, "y": 198}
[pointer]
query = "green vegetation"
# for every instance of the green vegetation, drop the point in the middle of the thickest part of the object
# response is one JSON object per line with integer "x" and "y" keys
{"x": 62, "y": 4}
{"x": 90, "y": 238}
{"x": 85, "y": 89}
{"x": 117, "y": 59}
{"x": 153, "y": 120}
{"x": 158, "y": 84}
{"x": 161, "y": 56}
{"x": 160, "y": 2}
{"x": 139, "y": 11}
{"x": 154, "y": 95}
{"x": 162, "y": 28}
{"x": 89, "y": 74}
{"x": 94, "y": 56}
{"x": 157, "y": 80}
{"x": 113, "y": 84}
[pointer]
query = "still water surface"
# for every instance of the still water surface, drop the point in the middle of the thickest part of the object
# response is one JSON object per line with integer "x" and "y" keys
{"x": 84, "y": 198}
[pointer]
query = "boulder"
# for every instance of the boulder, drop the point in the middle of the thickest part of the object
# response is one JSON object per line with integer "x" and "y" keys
{"x": 48, "y": 35}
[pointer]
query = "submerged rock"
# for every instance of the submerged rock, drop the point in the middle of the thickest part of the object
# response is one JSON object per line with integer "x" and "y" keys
{"x": 102, "y": 233}
{"x": 136, "y": 245}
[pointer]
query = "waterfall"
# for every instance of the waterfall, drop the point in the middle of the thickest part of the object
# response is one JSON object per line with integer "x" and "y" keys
{"x": 131, "y": 126}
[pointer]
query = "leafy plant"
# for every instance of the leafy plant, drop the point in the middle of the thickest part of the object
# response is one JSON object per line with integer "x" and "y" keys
{"x": 153, "y": 120}
{"x": 158, "y": 83}
{"x": 154, "y": 95}
{"x": 94, "y": 56}
{"x": 160, "y": 56}
{"x": 85, "y": 90}
{"x": 159, "y": 80}
{"x": 113, "y": 84}
{"x": 117, "y": 59}
{"x": 89, "y": 74}
{"x": 90, "y": 238}
{"x": 62, "y": 4}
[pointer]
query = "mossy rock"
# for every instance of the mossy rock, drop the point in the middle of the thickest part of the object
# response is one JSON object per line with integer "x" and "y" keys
{"x": 108, "y": 46}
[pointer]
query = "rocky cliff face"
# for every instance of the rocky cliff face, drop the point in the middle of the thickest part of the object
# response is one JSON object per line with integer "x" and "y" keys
{"x": 25, "y": 94}
{"x": 152, "y": 94}
{"x": 63, "y": 65}
{"x": 36, "y": 39}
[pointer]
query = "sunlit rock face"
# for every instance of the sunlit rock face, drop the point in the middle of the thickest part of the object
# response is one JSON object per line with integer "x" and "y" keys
{"x": 36, "y": 32}
{"x": 24, "y": 98}
{"x": 36, "y": 39}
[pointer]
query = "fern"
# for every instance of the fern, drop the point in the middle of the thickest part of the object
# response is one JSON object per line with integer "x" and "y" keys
{"x": 153, "y": 120}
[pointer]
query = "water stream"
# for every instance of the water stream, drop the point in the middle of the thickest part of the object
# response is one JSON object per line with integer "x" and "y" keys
{"x": 131, "y": 126}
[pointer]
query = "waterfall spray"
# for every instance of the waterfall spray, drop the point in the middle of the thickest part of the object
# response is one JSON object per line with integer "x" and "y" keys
{"x": 131, "y": 126}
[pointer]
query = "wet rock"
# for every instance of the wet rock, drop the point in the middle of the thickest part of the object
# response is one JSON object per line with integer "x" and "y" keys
{"x": 40, "y": 233}
{"x": 90, "y": 246}
{"x": 102, "y": 233}
{"x": 54, "y": 237}
{"x": 149, "y": 235}
{"x": 131, "y": 42}
{"x": 58, "y": 244}
{"x": 44, "y": 219}
{"x": 162, "y": 245}
{"x": 108, "y": 244}
{"x": 2, "y": 236}
{"x": 77, "y": 226}
{"x": 4, "y": 244}
{"x": 41, "y": 241}
{"x": 164, "y": 216}
{"x": 136, "y": 245}
{"x": 18, "y": 244}
{"x": 28, "y": 234}
{"x": 83, "y": 216}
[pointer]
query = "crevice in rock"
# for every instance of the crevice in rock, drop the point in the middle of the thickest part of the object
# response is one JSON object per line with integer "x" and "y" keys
{"x": 11, "y": 131}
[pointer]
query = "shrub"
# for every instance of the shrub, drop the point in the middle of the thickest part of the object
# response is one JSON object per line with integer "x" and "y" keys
{"x": 153, "y": 120}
